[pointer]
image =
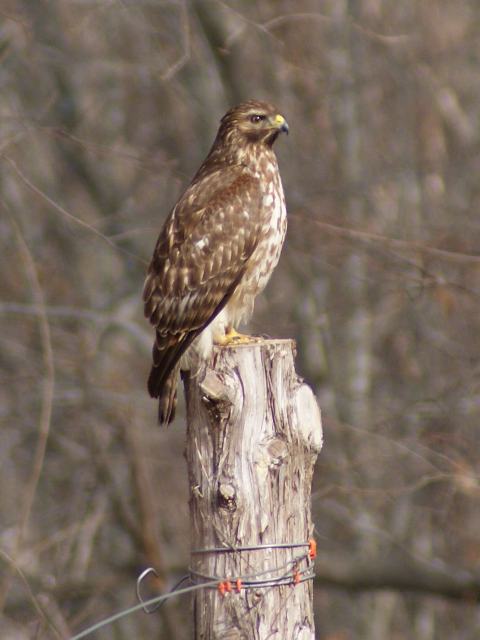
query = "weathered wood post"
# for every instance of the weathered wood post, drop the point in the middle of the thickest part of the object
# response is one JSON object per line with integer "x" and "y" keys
{"x": 254, "y": 433}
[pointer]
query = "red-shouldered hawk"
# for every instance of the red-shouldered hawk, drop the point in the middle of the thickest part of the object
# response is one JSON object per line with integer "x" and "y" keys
{"x": 217, "y": 248}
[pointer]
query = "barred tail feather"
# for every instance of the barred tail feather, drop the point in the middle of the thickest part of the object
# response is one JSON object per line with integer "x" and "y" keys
{"x": 165, "y": 389}
{"x": 162, "y": 381}
{"x": 167, "y": 400}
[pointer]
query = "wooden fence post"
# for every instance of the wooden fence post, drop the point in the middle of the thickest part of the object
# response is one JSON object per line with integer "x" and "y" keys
{"x": 254, "y": 433}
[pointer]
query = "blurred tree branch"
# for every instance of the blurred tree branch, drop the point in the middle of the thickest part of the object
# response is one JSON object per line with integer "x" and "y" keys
{"x": 48, "y": 386}
{"x": 401, "y": 573}
{"x": 103, "y": 319}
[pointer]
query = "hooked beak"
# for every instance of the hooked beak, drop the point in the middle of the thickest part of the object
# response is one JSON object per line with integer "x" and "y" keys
{"x": 280, "y": 123}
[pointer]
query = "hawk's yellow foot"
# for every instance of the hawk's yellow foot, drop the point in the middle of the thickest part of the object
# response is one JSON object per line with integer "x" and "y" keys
{"x": 232, "y": 337}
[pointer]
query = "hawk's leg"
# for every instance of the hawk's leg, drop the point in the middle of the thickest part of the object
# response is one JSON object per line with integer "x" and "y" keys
{"x": 232, "y": 337}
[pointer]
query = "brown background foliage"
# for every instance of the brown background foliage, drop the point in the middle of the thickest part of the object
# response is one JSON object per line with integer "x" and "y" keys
{"x": 107, "y": 107}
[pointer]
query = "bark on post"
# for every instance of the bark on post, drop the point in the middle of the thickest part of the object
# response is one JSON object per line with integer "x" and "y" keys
{"x": 254, "y": 433}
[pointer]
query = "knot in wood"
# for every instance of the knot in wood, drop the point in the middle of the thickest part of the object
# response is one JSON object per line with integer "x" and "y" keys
{"x": 226, "y": 497}
{"x": 215, "y": 387}
{"x": 216, "y": 395}
{"x": 277, "y": 451}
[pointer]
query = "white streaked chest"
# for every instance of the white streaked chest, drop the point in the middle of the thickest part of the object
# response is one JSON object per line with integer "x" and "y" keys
{"x": 272, "y": 236}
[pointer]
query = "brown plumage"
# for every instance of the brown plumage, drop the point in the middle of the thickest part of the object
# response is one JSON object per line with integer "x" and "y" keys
{"x": 217, "y": 248}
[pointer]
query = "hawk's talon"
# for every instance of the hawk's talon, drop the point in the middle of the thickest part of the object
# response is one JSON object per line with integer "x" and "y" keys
{"x": 232, "y": 337}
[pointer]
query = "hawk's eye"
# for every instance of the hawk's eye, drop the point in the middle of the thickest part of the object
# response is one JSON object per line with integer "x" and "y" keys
{"x": 257, "y": 117}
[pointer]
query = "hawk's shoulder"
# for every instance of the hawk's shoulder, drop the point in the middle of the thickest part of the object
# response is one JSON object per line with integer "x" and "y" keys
{"x": 202, "y": 250}
{"x": 210, "y": 210}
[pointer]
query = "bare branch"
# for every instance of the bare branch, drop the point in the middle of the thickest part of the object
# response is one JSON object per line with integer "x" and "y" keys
{"x": 401, "y": 574}
{"x": 48, "y": 386}
{"x": 83, "y": 315}
{"x": 64, "y": 212}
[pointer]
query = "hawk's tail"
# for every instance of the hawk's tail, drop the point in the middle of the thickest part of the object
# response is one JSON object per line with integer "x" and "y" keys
{"x": 165, "y": 389}
{"x": 162, "y": 382}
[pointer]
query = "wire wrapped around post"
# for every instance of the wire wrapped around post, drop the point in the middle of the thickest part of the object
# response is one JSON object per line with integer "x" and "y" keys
{"x": 288, "y": 573}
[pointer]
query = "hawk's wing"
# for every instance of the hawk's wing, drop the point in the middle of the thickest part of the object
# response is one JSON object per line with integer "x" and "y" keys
{"x": 200, "y": 257}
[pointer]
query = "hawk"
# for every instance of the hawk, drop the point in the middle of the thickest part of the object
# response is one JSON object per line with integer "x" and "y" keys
{"x": 217, "y": 248}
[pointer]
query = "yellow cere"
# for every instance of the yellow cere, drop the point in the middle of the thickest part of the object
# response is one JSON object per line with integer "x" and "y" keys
{"x": 279, "y": 119}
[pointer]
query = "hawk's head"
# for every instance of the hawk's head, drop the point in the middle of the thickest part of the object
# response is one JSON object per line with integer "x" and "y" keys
{"x": 252, "y": 122}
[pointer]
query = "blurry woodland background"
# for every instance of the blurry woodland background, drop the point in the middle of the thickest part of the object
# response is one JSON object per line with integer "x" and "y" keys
{"x": 107, "y": 107}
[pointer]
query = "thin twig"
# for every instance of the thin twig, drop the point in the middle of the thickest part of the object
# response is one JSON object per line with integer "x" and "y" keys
{"x": 66, "y": 213}
{"x": 85, "y": 315}
{"x": 452, "y": 256}
{"x": 184, "y": 57}
{"x": 48, "y": 386}
{"x": 13, "y": 567}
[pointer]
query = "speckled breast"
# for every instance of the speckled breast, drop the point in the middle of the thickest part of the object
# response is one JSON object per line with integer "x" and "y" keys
{"x": 266, "y": 255}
